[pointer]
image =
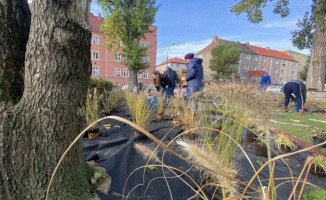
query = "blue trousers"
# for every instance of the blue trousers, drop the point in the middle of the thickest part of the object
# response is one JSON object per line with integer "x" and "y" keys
{"x": 300, "y": 95}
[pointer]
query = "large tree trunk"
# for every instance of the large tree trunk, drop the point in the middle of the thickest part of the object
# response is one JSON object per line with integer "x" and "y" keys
{"x": 15, "y": 20}
{"x": 317, "y": 67}
{"x": 35, "y": 133}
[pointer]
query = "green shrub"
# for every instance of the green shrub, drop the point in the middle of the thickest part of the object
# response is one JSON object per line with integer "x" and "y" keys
{"x": 101, "y": 85}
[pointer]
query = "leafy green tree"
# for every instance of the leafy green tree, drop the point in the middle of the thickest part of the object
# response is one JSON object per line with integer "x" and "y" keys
{"x": 125, "y": 24}
{"x": 311, "y": 33}
{"x": 223, "y": 63}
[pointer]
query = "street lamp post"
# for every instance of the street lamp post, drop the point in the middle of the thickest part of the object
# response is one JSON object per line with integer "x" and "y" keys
{"x": 167, "y": 52}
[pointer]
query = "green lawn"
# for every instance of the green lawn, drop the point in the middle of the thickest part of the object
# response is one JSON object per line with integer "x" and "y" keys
{"x": 300, "y": 126}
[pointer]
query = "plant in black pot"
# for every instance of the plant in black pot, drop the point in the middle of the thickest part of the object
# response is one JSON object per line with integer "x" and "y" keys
{"x": 284, "y": 144}
{"x": 251, "y": 135}
{"x": 91, "y": 113}
{"x": 319, "y": 136}
{"x": 261, "y": 145}
{"x": 318, "y": 166}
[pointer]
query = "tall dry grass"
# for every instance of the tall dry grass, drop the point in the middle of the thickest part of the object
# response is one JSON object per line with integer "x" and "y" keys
{"x": 140, "y": 112}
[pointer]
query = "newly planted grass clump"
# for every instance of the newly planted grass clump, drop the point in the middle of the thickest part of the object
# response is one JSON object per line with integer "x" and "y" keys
{"x": 139, "y": 109}
{"x": 284, "y": 143}
{"x": 109, "y": 100}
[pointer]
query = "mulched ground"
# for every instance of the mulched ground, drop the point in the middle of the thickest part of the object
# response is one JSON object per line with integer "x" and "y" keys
{"x": 114, "y": 151}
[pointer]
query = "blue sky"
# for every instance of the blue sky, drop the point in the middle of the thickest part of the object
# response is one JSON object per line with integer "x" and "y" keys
{"x": 191, "y": 24}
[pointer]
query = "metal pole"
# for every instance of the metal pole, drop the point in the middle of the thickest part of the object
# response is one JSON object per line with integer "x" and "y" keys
{"x": 167, "y": 52}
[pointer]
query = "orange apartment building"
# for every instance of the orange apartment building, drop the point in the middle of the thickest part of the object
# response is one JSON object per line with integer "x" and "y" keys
{"x": 107, "y": 65}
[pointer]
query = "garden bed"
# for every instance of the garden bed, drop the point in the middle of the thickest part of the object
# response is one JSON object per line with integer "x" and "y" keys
{"x": 134, "y": 177}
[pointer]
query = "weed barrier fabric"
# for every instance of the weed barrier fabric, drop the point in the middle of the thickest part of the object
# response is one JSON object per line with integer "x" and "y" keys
{"x": 131, "y": 179}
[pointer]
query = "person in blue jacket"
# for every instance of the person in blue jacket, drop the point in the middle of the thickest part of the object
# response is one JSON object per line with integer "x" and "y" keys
{"x": 195, "y": 74}
{"x": 299, "y": 89}
{"x": 265, "y": 81}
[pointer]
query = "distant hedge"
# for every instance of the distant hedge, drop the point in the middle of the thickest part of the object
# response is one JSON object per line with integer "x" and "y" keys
{"x": 101, "y": 85}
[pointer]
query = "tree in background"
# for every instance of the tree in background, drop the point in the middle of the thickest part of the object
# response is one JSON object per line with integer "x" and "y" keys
{"x": 313, "y": 28}
{"x": 126, "y": 23}
{"x": 35, "y": 132}
{"x": 223, "y": 63}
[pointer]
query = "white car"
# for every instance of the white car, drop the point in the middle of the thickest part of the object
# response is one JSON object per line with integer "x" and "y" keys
{"x": 183, "y": 92}
{"x": 275, "y": 89}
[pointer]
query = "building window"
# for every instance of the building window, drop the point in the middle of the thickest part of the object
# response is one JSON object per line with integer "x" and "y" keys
{"x": 95, "y": 71}
{"x": 118, "y": 57}
{"x": 263, "y": 68}
{"x": 95, "y": 39}
{"x": 146, "y": 74}
{"x": 276, "y": 62}
{"x": 275, "y": 71}
{"x": 253, "y": 67}
{"x": 95, "y": 55}
{"x": 283, "y": 62}
{"x": 293, "y": 73}
{"x": 246, "y": 67}
{"x": 282, "y": 71}
{"x": 139, "y": 75}
{"x": 146, "y": 60}
{"x": 281, "y": 80}
{"x": 140, "y": 43}
{"x": 147, "y": 46}
{"x": 117, "y": 83}
{"x": 264, "y": 59}
{"x": 125, "y": 73}
{"x": 247, "y": 57}
{"x": 256, "y": 58}
{"x": 117, "y": 72}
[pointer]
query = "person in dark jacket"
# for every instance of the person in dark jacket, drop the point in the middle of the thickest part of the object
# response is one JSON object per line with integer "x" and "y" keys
{"x": 195, "y": 74}
{"x": 173, "y": 76}
{"x": 299, "y": 89}
{"x": 162, "y": 84}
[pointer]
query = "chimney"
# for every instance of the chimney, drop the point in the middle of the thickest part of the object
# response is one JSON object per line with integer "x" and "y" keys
{"x": 214, "y": 39}
{"x": 267, "y": 48}
{"x": 247, "y": 43}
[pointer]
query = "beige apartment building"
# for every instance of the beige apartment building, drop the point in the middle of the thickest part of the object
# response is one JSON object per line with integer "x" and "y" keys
{"x": 300, "y": 57}
{"x": 177, "y": 64}
{"x": 281, "y": 66}
{"x": 107, "y": 65}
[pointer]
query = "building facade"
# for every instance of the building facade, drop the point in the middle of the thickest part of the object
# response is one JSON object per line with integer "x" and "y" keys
{"x": 177, "y": 64}
{"x": 281, "y": 66}
{"x": 107, "y": 65}
{"x": 303, "y": 60}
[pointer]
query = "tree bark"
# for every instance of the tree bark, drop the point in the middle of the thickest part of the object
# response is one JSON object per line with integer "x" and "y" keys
{"x": 15, "y": 20}
{"x": 35, "y": 132}
{"x": 317, "y": 67}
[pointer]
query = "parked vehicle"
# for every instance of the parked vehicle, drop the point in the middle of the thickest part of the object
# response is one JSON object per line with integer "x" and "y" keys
{"x": 275, "y": 89}
{"x": 183, "y": 92}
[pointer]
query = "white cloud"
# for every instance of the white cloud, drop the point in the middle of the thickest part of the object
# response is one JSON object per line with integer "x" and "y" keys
{"x": 179, "y": 50}
{"x": 288, "y": 23}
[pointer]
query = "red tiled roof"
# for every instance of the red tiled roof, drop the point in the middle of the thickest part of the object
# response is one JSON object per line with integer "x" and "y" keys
{"x": 174, "y": 60}
{"x": 256, "y": 73}
{"x": 272, "y": 53}
{"x": 95, "y": 22}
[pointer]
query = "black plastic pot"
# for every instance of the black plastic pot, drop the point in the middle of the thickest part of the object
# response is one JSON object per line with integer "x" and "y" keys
{"x": 317, "y": 170}
{"x": 251, "y": 136}
{"x": 285, "y": 148}
{"x": 318, "y": 140}
{"x": 261, "y": 149}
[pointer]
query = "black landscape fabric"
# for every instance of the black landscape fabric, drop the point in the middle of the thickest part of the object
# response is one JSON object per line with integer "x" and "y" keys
{"x": 131, "y": 179}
